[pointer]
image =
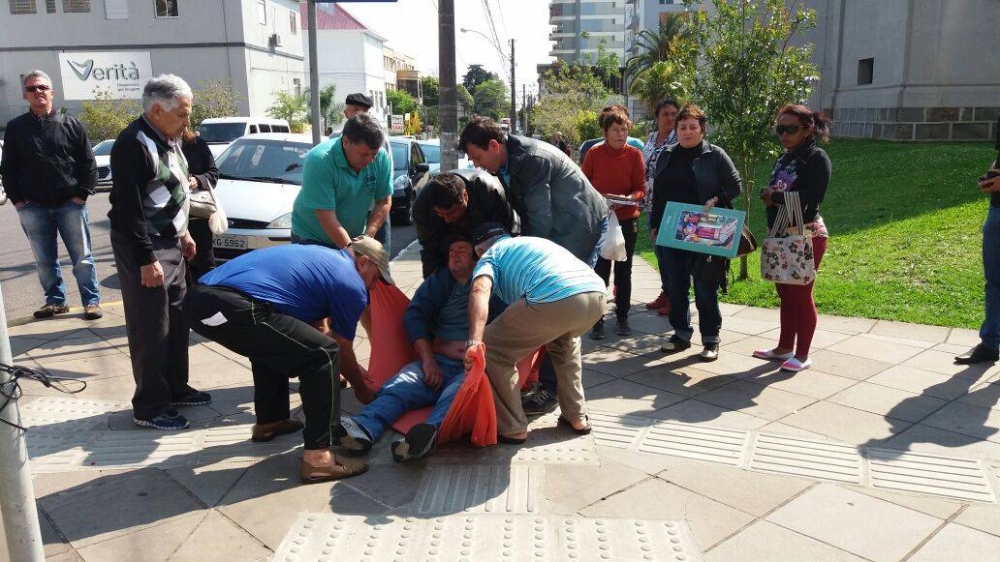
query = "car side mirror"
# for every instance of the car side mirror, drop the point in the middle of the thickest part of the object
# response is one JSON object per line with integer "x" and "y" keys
{"x": 423, "y": 168}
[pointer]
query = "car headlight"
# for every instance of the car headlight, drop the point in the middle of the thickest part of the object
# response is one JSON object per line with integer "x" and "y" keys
{"x": 284, "y": 221}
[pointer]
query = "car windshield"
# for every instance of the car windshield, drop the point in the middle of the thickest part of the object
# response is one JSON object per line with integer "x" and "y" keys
{"x": 103, "y": 148}
{"x": 399, "y": 156}
{"x": 432, "y": 152}
{"x": 221, "y": 132}
{"x": 271, "y": 161}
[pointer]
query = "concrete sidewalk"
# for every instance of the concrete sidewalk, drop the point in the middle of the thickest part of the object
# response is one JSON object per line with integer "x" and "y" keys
{"x": 885, "y": 450}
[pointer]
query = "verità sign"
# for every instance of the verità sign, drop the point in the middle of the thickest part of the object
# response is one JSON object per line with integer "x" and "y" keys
{"x": 122, "y": 74}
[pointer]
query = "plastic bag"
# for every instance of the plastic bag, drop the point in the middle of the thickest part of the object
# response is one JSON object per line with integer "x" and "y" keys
{"x": 614, "y": 244}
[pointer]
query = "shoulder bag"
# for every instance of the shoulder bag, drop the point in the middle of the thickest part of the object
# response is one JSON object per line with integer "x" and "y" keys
{"x": 788, "y": 258}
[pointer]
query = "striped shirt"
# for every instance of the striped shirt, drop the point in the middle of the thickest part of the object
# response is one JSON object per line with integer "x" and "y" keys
{"x": 537, "y": 270}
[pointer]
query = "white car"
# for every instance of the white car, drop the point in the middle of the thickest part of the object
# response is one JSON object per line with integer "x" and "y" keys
{"x": 219, "y": 132}
{"x": 259, "y": 178}
{"x": 102, "y": 153}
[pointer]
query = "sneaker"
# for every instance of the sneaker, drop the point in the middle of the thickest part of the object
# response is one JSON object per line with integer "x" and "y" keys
{"x": 92, "y": 312}
{"x": 50, "y": 310}
{"x": 418, "y": 443}
{"x": 675, "y": 344}
{"x": 710, "y": 352}
{"x": 597, "y": 332}
{"x": 193, "y": 398}
{"x": 352, "y": 437}
{"x": 541, "y": 402}
{"x": 622, "y": 328}
{"x": 658, "y": 303}
{"x": 167, "y": 421}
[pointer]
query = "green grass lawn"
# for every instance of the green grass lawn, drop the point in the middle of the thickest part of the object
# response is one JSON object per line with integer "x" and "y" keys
{"x": 905, "y": 225}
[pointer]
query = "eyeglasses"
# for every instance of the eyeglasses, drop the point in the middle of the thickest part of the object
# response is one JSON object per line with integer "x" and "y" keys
{"x": 787, "y": 129}
{"x": 37, "y": 88}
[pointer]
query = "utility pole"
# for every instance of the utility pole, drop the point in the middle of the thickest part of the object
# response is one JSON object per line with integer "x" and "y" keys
{"x": 524, "y": 107}
{"x": 313, "y": 72}
{"x": 20, "y": 515}
{"x": 448, "y": 104}
{"x": 513, "y": 92}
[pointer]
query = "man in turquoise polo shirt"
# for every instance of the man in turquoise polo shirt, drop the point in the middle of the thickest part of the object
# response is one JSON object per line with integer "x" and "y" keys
{"x": 341, "y": 181}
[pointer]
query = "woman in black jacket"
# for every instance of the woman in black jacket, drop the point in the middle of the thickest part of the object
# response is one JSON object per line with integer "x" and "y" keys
{"x": 804, "y": 168}
{"x": 202, "y": 173}
{"x": 698, "y": 173}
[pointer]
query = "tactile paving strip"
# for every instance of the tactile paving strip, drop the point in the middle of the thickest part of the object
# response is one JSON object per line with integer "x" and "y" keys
{"x": 913, "y": 472}
{"x": 803, "y": 457}
{"x": 480, "y": 488}
{"x": 476, "y": 537}
{"x": 615, "y": 430}
{"x": 696, "y": 442}
{"x": 67, "y": 413}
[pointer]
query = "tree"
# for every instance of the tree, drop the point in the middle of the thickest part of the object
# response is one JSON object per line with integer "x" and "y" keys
{"x": 492, "y": 99}
{"x": 750, "y": 70}
{"x": 572, "y": 97}
{"x": 106, "y": 116}
{"x": 214, "y": 98}
{"x": 670, "y": 42}
{"x": 293, "y": 108}
{"x": 432, "y": 91}
{"x": 476, "y": 76}
{"x": 401, "y": 101}
{"x": 330, "y": 110}
{"x": 663, "y": 79}
{"x": 464, "y": 97}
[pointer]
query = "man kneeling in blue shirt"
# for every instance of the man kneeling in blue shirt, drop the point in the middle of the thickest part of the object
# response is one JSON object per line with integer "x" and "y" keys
{"x": 266, "y": 305}
{"x": 437, "y": 323}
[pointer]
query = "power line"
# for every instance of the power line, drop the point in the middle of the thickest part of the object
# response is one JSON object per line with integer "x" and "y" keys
{"x": 496, "y": 39}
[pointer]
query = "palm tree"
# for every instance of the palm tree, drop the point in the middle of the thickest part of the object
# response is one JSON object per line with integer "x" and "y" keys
{"x": 662, "y": 80}
{"x": 670, "y": 41}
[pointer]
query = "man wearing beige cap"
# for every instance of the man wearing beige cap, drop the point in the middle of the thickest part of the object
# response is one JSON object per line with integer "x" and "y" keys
{"x": 294, "y": 310}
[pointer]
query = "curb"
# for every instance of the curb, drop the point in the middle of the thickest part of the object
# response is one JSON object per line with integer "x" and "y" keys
{"x": 23, "y": 320}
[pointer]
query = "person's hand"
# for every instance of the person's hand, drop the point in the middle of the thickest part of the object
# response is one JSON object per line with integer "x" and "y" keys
{"x": 432, "y": 374}
{"x": 364, "y": 394}
{"x": 652, "y": 233}
{"x": 470, "y": 358}
{"x": 152, "y": 275}
{"x": 79, "y": 200}
{"x": 765, "y": 196}
{"x": 991, "y": 185}
{"x": 192, "y": 183}
{"x": 323, "y": 326}
{"x": 711, "y": 203}
{"x": 188, "y": 246}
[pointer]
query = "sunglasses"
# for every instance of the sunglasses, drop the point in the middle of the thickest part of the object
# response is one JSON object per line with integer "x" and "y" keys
{"x": 787, "y": 129}
{"x": 38, "y": 88}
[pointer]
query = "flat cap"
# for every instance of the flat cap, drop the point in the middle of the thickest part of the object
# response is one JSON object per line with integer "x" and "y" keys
{"x": 358, "y": 99}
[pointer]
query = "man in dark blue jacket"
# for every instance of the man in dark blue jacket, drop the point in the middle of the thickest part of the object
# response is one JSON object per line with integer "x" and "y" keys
{"x": 437, "y": 322}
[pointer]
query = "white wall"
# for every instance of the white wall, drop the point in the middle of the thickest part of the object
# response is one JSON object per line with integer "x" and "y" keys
{"x": 350, "y": 59}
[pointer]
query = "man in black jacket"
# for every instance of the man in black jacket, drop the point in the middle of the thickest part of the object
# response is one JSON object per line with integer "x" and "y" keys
{"x": 49, "y": 171}
{"x": 458, "y": 202}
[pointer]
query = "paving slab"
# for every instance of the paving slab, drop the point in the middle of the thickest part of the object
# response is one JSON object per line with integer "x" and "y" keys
{"x": 907, "y": 330}
{"x": 942, "y": 508}
{"x": 686, "y": 381}
{"x": 967, "y": 419}
{"x": 985, "y": 396}
{"x": 577, "y": 486}
{"x": 843, "y": 365}
{"x": 822, "y": 339}
{"x": 929, "y": 383}
{"x": 151, "y": 544}
{"x": 709, "y": 415}
{"x": 222, "y": 540}
{"x": 983, "y": 517}
{"x": 972, "y": 544}
{"x": 944, "y": 363}
{"x": 845, "y": 519}
{"x": 888, "y": 402}
{"x": 927, "y": 439}
{"x": 626, "y": 397}
{"x": 767, "y": 542}
{"x": 813, "y": 384}
{"x": 869, "y": 347}
{"x": 757, "y": 399}
{"x": 751, "y": 492}
{"x": 844, "y": 424}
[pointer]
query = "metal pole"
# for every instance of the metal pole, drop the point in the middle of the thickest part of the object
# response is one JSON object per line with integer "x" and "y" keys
{"x": 17, "y": 495}
{"x": 513, "y": 92}
{"x": 313, "y": 72}
{"x": 449, "y": 95}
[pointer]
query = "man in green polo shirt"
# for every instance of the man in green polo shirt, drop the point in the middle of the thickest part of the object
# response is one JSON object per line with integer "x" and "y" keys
{"x": 341, "y": 181}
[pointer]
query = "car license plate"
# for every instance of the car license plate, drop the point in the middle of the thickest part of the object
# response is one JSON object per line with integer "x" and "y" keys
{"x": 231, "y": 241}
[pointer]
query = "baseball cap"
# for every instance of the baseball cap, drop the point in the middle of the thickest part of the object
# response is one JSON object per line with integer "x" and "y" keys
{"x": 373, "y": 250}
{"x": 486, "y": 232}
{"x": 359, "y": 99}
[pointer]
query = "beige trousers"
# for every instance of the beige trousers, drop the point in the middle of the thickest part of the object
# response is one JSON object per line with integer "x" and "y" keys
{"x": 523, "y": 328}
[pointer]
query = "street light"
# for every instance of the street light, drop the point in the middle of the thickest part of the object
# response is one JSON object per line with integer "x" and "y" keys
{"x": 513, "y": 85}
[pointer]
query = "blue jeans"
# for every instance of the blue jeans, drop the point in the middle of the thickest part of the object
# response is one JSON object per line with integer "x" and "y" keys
{"x": 706, "y": 297}
{"x": 408, "y": 391}
{"x": 990, "y": 331}
{"x": 41, "y": 225}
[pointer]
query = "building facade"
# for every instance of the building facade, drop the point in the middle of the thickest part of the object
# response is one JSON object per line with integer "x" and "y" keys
{"x": 581, "y": 26}
{"x": 349, "y": 55}
{"x": 115, "y": 45}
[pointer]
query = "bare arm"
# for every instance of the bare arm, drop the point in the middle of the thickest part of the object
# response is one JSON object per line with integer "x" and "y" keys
{"x": 378, "y": 216}
{"x": 354, "y": 373}
{"x": 479, "y": 310}
{"x": 432, "y": 373}
{"x": 331, "y": 225}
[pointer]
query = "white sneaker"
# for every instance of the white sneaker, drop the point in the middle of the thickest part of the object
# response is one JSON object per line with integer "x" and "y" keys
{"x": 795, "y": 365}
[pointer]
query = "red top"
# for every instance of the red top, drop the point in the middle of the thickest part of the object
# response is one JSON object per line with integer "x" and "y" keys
{"x": 619, "y": 172}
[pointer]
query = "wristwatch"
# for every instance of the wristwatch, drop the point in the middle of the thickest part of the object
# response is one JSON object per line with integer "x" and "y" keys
{"x": 471, "y": 343}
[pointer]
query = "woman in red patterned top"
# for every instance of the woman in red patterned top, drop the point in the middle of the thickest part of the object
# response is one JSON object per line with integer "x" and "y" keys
{"x": 617, "y": 171}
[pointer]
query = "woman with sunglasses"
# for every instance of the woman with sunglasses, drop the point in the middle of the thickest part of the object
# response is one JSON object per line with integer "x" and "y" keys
{"x": 804, "y": 168}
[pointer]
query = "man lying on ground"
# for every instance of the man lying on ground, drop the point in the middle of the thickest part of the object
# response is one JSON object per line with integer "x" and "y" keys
{"x": 437, "y": 323}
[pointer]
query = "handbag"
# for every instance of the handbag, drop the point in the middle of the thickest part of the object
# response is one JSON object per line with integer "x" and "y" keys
{"x": 203, "y": 202}
{"x": 613, "y": 248}
{"x": 708, "y": 268}
{"x": 748, "y": 242}
{"x": 788, "y": 258}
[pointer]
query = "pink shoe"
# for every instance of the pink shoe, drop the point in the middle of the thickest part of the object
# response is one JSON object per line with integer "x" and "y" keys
{"x": 795, "y": 365}
{"x": 771, "y": 356}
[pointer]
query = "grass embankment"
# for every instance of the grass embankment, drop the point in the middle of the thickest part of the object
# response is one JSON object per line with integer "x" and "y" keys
{"x": 905, "y": 222}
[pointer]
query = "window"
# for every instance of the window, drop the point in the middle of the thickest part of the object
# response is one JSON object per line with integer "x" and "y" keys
{"x": 166, "y": 8}
{"x": 265, "y": 128}
{"x": 19, "y": 7}
{"x": 50, "y": 6}
{"x": 297, "y": 85}
{"x": 116, "y": 9}
{"x": 76, "y": 6}
{"x": 253, "y": 129}
{"x": 293, "y": 22}
{"x": 866, "y": 71}
{"x": 262, "y": 12}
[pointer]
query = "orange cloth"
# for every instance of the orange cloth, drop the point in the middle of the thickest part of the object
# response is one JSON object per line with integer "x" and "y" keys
{"x": 618, "y": 172}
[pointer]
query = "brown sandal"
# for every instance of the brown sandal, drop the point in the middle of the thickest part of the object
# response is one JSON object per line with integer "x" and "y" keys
{"x": 343, "y": 468}
{"x": 264, "y": 432}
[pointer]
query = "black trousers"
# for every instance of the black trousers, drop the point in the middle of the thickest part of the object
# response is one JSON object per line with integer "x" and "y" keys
{"x": 623, "y": 269}
{"x": 204, "y": 259}
{"x": 154, "y": 320}
{"x": 279, "y": 346}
